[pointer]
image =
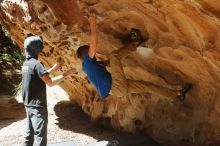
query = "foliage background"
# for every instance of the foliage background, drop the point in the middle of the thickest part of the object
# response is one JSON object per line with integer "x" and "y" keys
{"x": 11, "y": 59}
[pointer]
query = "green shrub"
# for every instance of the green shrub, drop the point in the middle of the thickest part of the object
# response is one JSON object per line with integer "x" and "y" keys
{"x": 11, "y": 59}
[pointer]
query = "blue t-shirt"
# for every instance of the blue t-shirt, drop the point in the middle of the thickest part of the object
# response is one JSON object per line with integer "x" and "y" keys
{"x": 98, "y": 76}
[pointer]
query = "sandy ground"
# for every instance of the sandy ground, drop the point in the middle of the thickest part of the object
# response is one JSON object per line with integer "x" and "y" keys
{"x": 66, "y": 121}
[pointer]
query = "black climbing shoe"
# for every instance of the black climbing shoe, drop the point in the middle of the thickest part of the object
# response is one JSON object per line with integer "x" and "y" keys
{"x": 183, "y": 92}
{"x": 135, "y": 36}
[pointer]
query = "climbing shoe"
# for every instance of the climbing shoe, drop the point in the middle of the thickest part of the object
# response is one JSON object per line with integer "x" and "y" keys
{"x": 183, "y": 92}
{"x": 135, "y": 36}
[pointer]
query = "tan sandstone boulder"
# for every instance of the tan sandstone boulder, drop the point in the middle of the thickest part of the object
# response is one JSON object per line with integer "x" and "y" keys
{"x": 183, "y": 46}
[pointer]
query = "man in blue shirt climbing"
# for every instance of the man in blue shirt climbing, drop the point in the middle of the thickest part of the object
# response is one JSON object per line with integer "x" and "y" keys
{"x": 115, "y": 83}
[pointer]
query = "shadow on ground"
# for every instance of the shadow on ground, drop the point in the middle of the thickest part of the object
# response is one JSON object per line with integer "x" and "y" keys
{"x": 72, "y": 118}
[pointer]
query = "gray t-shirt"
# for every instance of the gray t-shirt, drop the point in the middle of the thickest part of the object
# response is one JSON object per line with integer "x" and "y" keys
{"x": 33, "y": 87}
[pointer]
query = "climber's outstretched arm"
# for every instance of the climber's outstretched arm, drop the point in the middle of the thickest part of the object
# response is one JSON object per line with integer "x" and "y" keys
{"x": 94, "y": 38}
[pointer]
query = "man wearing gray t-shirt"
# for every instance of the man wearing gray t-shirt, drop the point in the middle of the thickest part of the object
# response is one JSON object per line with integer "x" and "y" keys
{"x": 34, "y": 80}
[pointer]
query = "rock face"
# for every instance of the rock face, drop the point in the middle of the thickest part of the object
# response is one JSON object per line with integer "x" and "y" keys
{"x": 183, "y": 46}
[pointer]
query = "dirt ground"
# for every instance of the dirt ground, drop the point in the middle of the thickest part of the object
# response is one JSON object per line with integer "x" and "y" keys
{"x": 66, "y": 122}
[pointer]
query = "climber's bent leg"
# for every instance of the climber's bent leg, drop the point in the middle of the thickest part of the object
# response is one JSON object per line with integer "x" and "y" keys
{"x": 125, "y": 50}
{"x": 143, "y": 86}
{"x": 135, "y": 39}
{"x": 119, "y": 82}
{"x": 181, "y": 94}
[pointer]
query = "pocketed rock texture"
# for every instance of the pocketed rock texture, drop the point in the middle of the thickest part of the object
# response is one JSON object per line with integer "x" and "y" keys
{"x": 183, "y": 46}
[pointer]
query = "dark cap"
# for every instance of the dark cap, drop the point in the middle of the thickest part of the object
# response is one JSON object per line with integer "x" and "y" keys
{"x": 33, "y": 45}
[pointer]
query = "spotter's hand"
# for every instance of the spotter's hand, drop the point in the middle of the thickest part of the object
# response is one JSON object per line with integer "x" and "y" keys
{"x": 70, "y": 72}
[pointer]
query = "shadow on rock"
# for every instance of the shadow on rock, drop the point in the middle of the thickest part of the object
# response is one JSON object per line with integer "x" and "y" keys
{"x": 10, "y": 111}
